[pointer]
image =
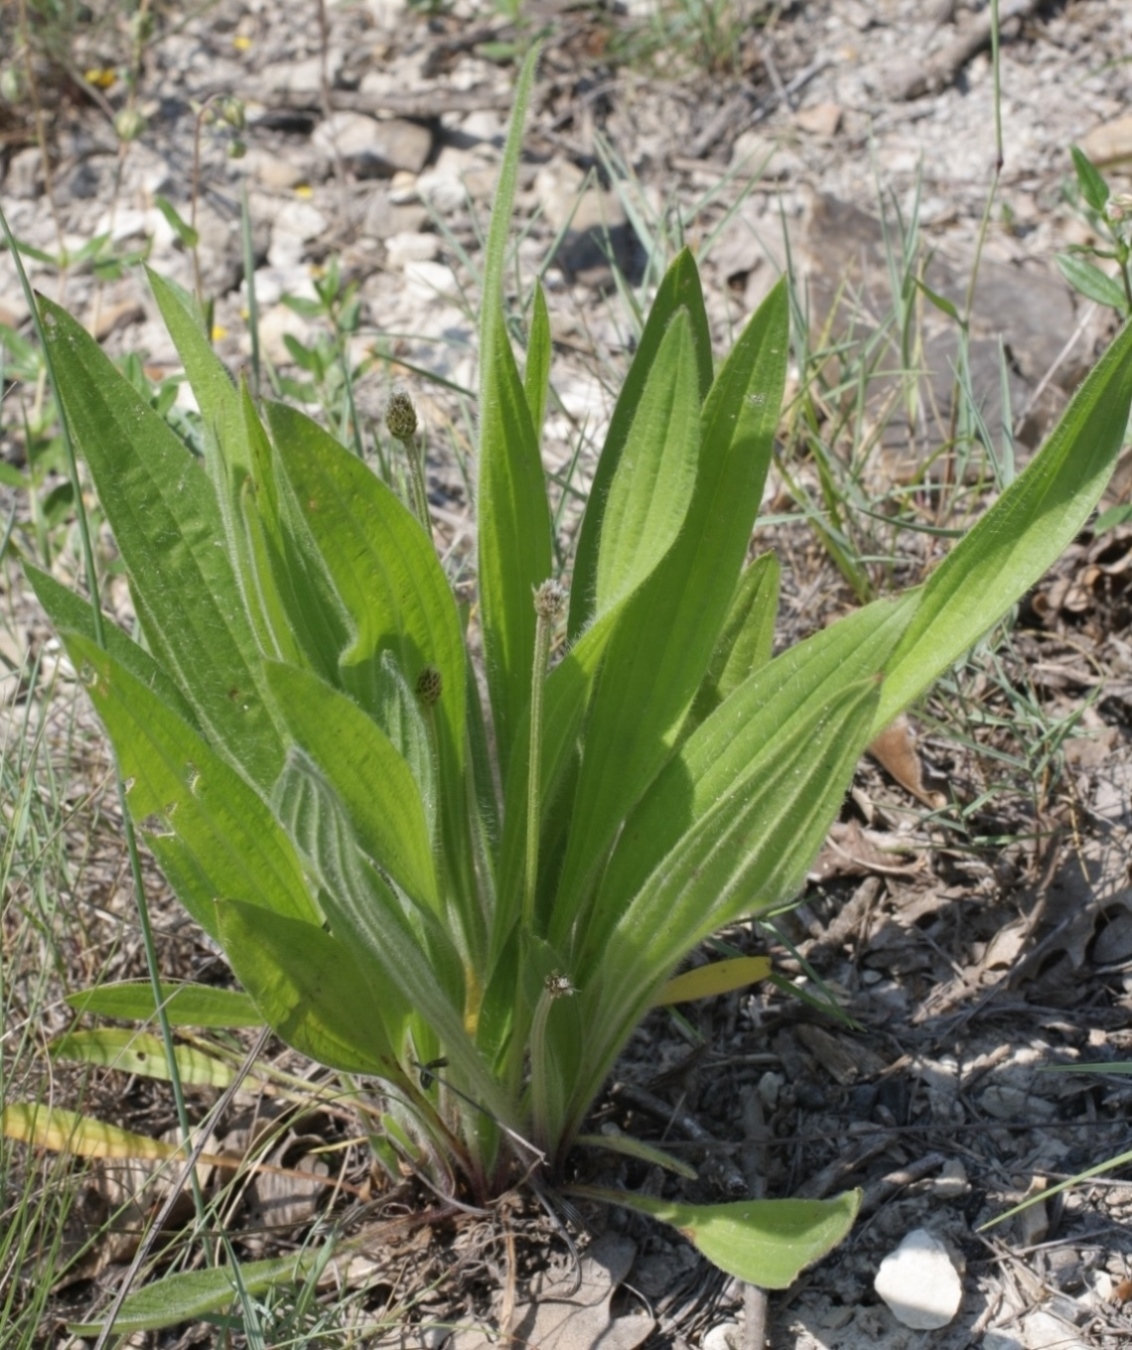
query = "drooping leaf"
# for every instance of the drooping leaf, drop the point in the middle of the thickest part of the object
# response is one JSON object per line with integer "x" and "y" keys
{"x": 139, "y": 1052}
{"x": 192, "y": 1295}
{"x": 767, "y": 1243}
{"x": 211, "y": 833}
{"x": 717, "y": 977}
{"x": 186, "y": 1005}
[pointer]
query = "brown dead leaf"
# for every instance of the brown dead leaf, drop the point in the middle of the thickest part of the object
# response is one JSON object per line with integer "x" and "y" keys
{"x": 895, "y": 751}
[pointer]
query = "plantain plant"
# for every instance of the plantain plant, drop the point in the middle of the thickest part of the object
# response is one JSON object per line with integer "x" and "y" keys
{"x": 475, "y": 902}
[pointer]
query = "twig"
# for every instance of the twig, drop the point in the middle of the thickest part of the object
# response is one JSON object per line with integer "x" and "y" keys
{"x": 942, "y": 69}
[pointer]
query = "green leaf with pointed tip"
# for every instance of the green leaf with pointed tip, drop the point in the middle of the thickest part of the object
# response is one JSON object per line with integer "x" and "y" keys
{"x": 1022, "y": 535}
{"x": 648, "y": 498}
{"x": 536, "y": 376}
{"x": 186, "y": 1005}
{"x": 167, "y": 524}
{"x": 746, "y": 638}
{"x": 514, "y": 530}
{"x": 69, "y": 612}
{"x": 635, "y": 1148}
{"x": 679, "y": 291}
{"x": 1088, "y": 280}
{"x": 387, "y": 578}
{"x": 514, "y": 533}
{"x": 197, "y": 1294}
{"x": 373, "y": 782}
{"x": 1094, "y": 189}
{"x": 210, "y": 831}
{"x": 216, "y": 394}
{"x": 768, "y": 1243}
{"x": 138, "y": 1052}
{"x": 659, "y": 653}
{"x": 309, "y": 987}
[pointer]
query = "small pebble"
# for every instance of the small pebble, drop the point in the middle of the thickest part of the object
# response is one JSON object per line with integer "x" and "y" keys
{"x": 919, "y": 1282}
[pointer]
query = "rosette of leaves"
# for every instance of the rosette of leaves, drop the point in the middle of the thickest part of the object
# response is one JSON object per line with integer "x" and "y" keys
{"x": 476, "y": 903}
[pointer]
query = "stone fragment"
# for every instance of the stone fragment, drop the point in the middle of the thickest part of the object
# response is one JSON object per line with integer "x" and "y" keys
{"x": 1110, "y": 142}
{"x": 723, "y": 1336}
{"x": 821, "y": 119}
{"x": 919, "y": 1282}
{"x": 372, "y": 147}
{"x": 402, "y": 249}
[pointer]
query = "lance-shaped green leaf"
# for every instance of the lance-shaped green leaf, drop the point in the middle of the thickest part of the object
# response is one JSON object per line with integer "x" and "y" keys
{"x": 767, "y": 1243}
{"x": 210, "y": 831}
{"x": 659, "y": 653}
{"x": 513, "y": 516}
{"x": 1023, "y": 534}
{"x": 746, "y": 853}
{"x": 679, "y": 291}
{"x": 167, "y": 524}
{"x": 214, "y": 389}
{"x": 374, "y": 784}
{"x": 746, "y": 638}
{"x": 649, "y": 496}
{"x": 69, "y": 612}
{"x": 140, "y": 1053}
{"x": 309, "y": 987}
{"x": 186, "y": 1005}
{"x": 514, "y": 538}
{"x": 536, "y": 376}
{"x": 728, "y": 750}
{"x": 387, "y": 578}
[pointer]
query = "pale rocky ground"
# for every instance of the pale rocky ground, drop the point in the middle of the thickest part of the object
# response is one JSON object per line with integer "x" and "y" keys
{"x": 377, "y": 143}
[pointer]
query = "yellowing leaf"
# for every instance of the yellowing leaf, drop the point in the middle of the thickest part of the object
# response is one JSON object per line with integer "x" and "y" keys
{"x": 718, "y": 978}
{"x": 62, "y": 1131}
{"x": 139, "y": 1052}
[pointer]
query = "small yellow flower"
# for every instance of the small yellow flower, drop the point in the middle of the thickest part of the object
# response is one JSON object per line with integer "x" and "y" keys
{"x": 304, "y": 190}
{"x": 102, "y": 77}
{"x": 219, "y": 332}
{"x": 241, "y": 43}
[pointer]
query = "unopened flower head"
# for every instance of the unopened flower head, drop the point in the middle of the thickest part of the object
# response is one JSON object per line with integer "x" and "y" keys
{"x": 550, "y": 600}
{"x": 401, "y": 416}
{"x": 430, "y": 686}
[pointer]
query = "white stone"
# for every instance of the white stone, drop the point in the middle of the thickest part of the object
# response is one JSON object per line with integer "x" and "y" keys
{"x": 430, "y": 280}
{"x": 919, "y": 1282}
{"x": 723, "y": 1336}
{"x": 1042, "y": 1331}
{"x": 402, "y": 249}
